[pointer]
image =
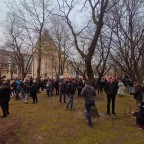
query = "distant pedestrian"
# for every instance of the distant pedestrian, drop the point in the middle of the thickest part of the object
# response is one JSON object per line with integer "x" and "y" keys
{"x": 63, "y": 88}
{"x": 33, "y": 92}
{"x": 71, "y": 89}
{"x": 26, "y": 90}
{"x": 138, "y": 94}
{"x": 5, "y": 98}
{"x": 121, "y": 88}
{"x": 49, "y": 88}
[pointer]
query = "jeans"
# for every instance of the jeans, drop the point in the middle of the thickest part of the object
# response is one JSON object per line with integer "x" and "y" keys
{"x": 26, "y": 96}
{"x": 50, "y": 93}
{"x": 70, "y": 103}
{"x": 17, "y": 91}
{"x": 88, "y": 105}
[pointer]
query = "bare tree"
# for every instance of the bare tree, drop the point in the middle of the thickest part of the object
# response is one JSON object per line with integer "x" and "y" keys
{"x": 59, "y": 33}
{"x": 16, "y": 44}
{"x": 128, "y": 42}
{"x": 34, "y": 14}
{"x": 98, "y": 9}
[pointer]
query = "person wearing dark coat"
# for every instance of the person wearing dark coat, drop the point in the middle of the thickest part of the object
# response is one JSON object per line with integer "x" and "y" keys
{"x": 5, "y": 98}
{"x": 71, "y": 89}
{"x": 88, "y": 92}
{"x": 79, "y": 87}
{"x": 140, "y": 116}
{"x": 63, "y": 88}
{"x": 138, "y": 93}
{"x": 110, "y": 89}
{"x": 57, "y": 87}
{"x": 33, "y": 93}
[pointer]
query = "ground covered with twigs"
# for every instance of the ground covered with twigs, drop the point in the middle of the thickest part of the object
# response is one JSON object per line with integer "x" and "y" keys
{"x": 48, "y": 122}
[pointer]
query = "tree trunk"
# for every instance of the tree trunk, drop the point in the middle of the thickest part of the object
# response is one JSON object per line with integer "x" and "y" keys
{"x": 90, "y": 72}
{"x": 38, "y": 70}
{"x": 91, "y": 78}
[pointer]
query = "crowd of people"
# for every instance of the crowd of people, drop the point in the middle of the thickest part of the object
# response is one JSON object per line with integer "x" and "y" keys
{"x": 66, "y": 89}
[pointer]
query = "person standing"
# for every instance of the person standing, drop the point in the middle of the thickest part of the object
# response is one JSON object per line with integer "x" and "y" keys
{"x": 79, "y": 86}
{"x": 26, "y": 90}
{"x": 111, "y": 88}
{"x": 5, "y": 98}
{"x": 120, "y": 88}
{"x": 63, "y": 88}
{"x": 88, "y": 92}
{"x": 49, "y": 89}
{"x": 34, "y": 89}
{"x": 138, "y": 94}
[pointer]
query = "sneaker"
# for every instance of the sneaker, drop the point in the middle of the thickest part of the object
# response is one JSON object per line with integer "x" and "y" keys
{"x": 90, "y": 125}
{"x": 113, "y": 114}
{"x": 67, "y": 107}
{"x": 108, "y": 114}
{"x": 4, "y": 116}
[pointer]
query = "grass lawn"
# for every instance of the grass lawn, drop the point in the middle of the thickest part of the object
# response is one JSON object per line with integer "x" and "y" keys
{"x": 48, "y": 122}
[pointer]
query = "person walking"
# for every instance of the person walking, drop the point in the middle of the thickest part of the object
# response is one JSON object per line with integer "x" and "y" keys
{"x": 88, "y": 92}
{"x": 111, "y": 88}
{"x": 71, "y": 90}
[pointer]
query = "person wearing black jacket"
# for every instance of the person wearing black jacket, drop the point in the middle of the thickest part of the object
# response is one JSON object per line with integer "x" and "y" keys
{"x": 138, "y": 93}
{"x": 71, "y": 89}
{"x": 140, "y": 116}
{"x": 111, "y": 88}
{"x": 33, "y": 92}
{"x": 63, "y": 88}
{"x": 5, "y": 98}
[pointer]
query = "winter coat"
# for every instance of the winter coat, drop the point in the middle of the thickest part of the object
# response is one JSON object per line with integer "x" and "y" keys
{"x": 89, "y": 93}
{"x": 111, "y": 88}
{"x": 138, "y": 95}
{"x": 4, "y": 94}
{"x": 120, "y": 88}
{"x": 71, "y": 88}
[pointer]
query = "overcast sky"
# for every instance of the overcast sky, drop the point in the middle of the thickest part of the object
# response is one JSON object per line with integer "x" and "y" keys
{"x": 3, "y": 11}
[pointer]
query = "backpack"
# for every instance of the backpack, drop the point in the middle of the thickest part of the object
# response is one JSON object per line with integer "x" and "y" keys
{"x": 72, "y": 88}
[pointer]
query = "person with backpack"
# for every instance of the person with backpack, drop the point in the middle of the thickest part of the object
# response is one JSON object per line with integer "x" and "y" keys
{"x": 88, "y": 92}
{"x": 71, "y": 89}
